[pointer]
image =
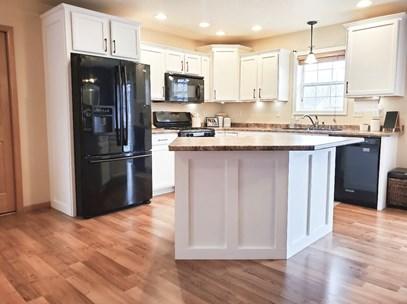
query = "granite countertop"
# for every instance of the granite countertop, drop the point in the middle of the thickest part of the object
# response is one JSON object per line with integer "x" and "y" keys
{"x": 266, "y": 142}
{"x": 344, "y": 132}
{"x": 279, "y": 129}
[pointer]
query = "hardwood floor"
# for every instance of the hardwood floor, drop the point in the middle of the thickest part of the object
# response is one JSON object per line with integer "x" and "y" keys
{"x": 127, "y": 257}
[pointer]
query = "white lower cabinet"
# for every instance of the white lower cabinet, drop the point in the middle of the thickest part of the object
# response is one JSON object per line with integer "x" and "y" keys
{"x": 163, "y": 164}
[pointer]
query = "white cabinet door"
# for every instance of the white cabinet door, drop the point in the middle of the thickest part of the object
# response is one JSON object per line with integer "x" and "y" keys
{"x": 268, "y": 76}
{"x": 206, "y": 72}
{"x": 163, "y": 170}
{"x": 248, "y": 78}
{"x": 89, "y": 33}
{"x": 155, "y": 57}
{"x": 125, "y": 38}
{"x": 226, "y": 75}
{"x": 192, "y": 64}
{"x": 371, "y": 59}
{"x": 175, "y": 61}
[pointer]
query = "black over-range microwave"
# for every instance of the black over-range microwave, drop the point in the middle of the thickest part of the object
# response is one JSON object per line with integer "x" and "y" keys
{"x": 184, "y": 88}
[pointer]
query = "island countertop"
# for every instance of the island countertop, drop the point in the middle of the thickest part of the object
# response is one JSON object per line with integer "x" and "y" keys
{"x": 266, "y": 142}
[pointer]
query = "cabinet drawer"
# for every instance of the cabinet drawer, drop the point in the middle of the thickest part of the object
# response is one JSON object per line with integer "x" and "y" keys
{"x": 163, "y": 139}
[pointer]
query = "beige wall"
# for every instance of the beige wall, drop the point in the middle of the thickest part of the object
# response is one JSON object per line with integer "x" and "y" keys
{"x": 23, "y": 16}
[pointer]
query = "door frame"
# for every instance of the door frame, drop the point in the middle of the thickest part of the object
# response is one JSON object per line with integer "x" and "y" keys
{"x": 15, "y": 128}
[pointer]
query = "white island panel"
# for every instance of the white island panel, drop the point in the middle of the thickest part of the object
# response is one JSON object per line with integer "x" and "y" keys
{"x": 251, "y": 204}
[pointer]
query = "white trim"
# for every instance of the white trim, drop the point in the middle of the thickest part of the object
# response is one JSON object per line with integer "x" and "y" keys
{"x": 294, "y": 83}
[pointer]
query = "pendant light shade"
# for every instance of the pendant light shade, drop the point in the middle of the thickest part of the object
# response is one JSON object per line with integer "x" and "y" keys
{"x": 311, "y": 56}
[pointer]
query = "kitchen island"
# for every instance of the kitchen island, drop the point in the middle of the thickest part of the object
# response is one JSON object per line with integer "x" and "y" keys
{"x": 253, "y": 197}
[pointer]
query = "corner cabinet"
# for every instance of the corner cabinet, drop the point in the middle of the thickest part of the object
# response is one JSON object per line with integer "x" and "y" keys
{"x": 265, "y": 76}
{"x": 225, "y": 71}
{"x": 376, "y": 56}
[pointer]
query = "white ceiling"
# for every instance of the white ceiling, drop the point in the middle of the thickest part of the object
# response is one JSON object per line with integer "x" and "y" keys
{"x": 236, "y": 17}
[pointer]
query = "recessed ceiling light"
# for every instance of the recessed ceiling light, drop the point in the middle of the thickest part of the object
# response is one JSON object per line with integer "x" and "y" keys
{"x": 256, "y": 28}
{"x": 204, "y": 24}
{"x": 364, "y": 3}
{"x": 161, "y": 16}
{"x": 220, "y": 33}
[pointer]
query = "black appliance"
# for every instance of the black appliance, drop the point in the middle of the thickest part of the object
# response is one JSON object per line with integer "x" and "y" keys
{"x": 197, "y": 132}
{"x": 184, "y": 88}
{"x": 357, "y": 173}
{"x": 172, "y": 120}
{"x": 181, "y": 121}
{"x": 112, "y": 134}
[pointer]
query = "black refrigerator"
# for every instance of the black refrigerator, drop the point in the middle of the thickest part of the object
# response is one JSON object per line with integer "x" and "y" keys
{"x": 112, "y": 134}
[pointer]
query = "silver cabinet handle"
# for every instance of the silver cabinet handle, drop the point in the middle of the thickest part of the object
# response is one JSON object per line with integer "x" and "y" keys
{"x": 182, "y": 65}
{"x": 163, "y": 92}
{"x": 187, "y": 66}
{"x": 214, "y": 94}
{"x": 105, "y": 43}
{"x": 254, "y": 93}
{"x": 347, "y": 87}
{"x": 163, "y": 139}
{"x": 114, "y": 46}
{"x": 259, "y": 93}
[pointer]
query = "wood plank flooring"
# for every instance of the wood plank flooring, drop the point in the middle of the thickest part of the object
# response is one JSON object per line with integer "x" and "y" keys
{"x": 128, "y": 257}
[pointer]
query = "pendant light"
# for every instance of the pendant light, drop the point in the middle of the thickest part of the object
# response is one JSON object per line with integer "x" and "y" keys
{"x": 311, "y": 56}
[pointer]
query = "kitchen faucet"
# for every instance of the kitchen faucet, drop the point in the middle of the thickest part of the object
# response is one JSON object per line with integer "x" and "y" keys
{"x": 314, "y": 123}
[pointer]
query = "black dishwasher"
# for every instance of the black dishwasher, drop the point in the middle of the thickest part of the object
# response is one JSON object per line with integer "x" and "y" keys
{"x": 357, "y": 173}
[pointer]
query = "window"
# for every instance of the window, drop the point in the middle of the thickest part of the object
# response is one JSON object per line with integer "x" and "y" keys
{"x": 320, "y": 87}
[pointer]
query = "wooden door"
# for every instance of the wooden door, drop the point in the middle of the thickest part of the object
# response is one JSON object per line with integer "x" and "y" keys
{"x": 248, "y": 78}
{"x": 125, "y": 40}
{"x": 155, "y": 57}
{"x": 7, "y": 178}
{"x": 90, "y": 33}
{"x": 268, "y": 77}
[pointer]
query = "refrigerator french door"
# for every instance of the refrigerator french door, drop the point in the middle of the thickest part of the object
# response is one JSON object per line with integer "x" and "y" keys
{"x": 112, "y": 134}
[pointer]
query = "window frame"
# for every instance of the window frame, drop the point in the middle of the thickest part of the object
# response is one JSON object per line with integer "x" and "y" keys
{"x": 295, "y": 85}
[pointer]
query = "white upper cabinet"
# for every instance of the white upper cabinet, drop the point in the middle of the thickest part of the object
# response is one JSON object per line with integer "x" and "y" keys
{"x": 225, "y": 71}
{"x": 268, "y": 77}
{"x": 174, "y": 61}
{"x": 248, "y": 78}
{"x": 265, "y": 76}
{"x": 155, "y": 57}
{"x": 180, "y": 62}
{"x": 192, "y": 64}
{"x": 205, "y": 72}
{"x": 125, "y": 39}
{"x": 90, "y": 33}
{"x": 376, "y": 56}
{"x": 101, "y": 34}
